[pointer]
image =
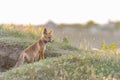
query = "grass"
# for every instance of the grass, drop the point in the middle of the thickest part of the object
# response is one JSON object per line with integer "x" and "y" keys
{"x": 13, "y": 37}
{"x": 84, "y": 66}
{"x": 69, "y": 63}
{"x": 16, "y": 33}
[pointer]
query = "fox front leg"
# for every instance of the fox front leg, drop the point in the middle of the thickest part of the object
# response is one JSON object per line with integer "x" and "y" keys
{"x": 41, "y": 54}
{"x": 37, "y": 57}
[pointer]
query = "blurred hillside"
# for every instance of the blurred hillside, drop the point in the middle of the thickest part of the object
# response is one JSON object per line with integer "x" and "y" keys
{"x": 90, "y": 34}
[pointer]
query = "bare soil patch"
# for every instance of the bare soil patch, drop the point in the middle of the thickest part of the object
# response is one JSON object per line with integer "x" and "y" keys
{"x": 8, "y": 55}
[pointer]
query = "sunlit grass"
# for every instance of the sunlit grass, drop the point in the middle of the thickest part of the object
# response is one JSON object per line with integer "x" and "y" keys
{"x": 30, "y": 29}
{"x": 91, "y": 66}
{"x": 13, "y": 36}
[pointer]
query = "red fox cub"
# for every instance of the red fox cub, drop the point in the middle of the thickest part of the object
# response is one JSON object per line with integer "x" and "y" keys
{"x": 35, "y": 51}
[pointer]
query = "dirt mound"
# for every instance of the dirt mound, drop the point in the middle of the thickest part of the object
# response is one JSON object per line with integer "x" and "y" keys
{"x": 8, "y": 55}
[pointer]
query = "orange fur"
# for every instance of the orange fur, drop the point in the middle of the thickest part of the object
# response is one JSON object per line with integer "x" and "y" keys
{"x": 35, "y": 51}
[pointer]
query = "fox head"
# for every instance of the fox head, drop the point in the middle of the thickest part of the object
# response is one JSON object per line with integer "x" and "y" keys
{"x": 47, "y": 35}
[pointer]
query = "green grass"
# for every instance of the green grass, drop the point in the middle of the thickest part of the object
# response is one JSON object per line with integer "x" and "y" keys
{"x": 69, "y": 67}
{"x": 13, "y": 37}
{"x": 15, "y": 33}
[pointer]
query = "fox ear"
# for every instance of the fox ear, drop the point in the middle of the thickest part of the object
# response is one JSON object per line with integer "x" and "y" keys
{"x": 45, "y": 31}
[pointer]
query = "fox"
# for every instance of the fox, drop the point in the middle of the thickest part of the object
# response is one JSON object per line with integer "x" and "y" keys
{"x": 35, "y": 52}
